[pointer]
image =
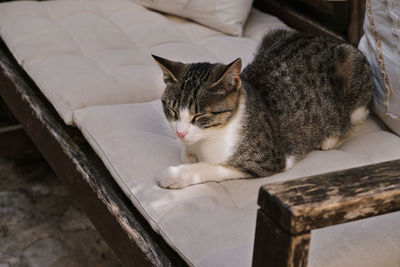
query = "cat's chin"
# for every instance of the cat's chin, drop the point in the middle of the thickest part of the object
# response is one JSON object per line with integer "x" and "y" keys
{"x": 189, "y": 142}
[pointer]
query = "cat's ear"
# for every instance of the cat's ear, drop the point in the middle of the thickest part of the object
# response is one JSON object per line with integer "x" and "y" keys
{"x": 171, "y": 69}
{"x": 230, "y": 79}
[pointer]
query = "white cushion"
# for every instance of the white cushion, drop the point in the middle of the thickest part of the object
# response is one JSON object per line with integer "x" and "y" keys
{"x": 224, "y": 15}
{"x": 213, "y": 224}
{"x": 381, "y": 46}
{"x": 97, "y": 52}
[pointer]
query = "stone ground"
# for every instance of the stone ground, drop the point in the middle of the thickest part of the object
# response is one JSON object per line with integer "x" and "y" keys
{"x": 40, "y": 224}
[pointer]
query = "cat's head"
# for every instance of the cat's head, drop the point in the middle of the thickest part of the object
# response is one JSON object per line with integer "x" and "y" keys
{"x": 200, "y": 97}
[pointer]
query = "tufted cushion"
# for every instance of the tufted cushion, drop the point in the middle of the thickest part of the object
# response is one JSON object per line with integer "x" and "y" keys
{"x": 224, "y": 15}
{"x": 213, "y": 224}
{"x": 97, "y": 52}
{"x": 381, "y": 46}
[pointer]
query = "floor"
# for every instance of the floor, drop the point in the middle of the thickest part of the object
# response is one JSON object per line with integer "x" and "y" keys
{"x": 40, "y": 224}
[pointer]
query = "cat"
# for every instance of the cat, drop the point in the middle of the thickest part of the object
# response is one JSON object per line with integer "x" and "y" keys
{"x": 301, "y": 92}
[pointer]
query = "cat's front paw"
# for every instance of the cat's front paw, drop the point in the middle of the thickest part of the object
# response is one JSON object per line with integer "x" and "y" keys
{"x": 329, "y": 143}
{"x": 175, "y": 177}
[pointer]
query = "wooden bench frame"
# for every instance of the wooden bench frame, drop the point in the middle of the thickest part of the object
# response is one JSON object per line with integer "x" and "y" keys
{"x": 285, "y": 217}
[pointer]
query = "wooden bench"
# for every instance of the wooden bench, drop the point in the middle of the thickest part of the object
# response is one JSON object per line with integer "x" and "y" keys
{"x": 288, "y": 211}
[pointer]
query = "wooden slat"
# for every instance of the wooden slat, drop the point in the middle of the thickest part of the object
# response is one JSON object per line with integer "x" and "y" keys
{"x": 321, "y": 6}
{"x": 14, "y": 141}
{"x": 355, "y": 21}
{"x": 295, "y": 19}
{"x": 328, "y": 199}
{"x": 273, "y": 246}
{"x": 120, "y": 224}
{"x": 301, "y": 22}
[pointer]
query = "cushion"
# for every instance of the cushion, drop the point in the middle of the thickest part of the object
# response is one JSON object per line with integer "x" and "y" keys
{"x": 224, "y": 15}
{"x": 213, "y": 224}
{"x": 97, "y": 52}
{"x": 381, "y": 46}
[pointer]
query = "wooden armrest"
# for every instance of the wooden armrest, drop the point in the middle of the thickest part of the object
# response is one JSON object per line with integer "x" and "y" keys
{"x": 327, "y": 199}
{"x": 290, "y": 210}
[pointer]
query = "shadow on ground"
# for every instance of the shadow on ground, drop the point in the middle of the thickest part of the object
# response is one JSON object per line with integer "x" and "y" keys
{"x": 40, "y": 224}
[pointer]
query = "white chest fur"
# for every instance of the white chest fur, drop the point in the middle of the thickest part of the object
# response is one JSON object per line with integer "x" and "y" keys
{"x": 219, "y": 144}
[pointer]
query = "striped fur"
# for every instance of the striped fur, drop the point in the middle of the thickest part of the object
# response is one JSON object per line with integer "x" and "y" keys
{"x": 301, "y": 92}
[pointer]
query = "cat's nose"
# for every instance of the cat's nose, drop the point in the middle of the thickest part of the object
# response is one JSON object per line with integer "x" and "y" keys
{"x": 181, "y": 134}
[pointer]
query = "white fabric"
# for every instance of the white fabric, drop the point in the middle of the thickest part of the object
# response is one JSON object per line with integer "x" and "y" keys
{"x": 371, "y": 242}
{"x": 224, "y": 15}
{"x": 213, "y": 224}
{"x": 381, "y": 46}
{"x": 97, "y": 52}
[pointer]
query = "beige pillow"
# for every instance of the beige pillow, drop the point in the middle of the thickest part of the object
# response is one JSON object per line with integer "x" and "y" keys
{"x": 227, "y": 16}
{"x": 381, "y": 46}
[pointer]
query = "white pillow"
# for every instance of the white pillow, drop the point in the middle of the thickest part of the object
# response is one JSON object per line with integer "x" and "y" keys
{"x": 227, "y": 16}
{"x": 381, "y": 46}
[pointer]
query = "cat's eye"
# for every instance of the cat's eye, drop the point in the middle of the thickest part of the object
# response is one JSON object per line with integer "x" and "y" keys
{"x": 203, "y": 118}
{"x": 173, "y": 112}
{"x": 221, "y": 112}
{"x": 196, "y": 117}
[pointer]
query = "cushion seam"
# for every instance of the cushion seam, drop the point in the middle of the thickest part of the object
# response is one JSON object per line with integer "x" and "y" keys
{"x": 131, "y": 194}
{"x": 98, "y": 66}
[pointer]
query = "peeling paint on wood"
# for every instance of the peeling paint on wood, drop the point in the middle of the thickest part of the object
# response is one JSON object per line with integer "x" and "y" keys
{"x": 327, "y": 199}
{"x": 274, "y": 246}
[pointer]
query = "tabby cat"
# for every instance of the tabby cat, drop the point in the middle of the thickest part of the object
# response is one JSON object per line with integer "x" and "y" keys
{"x": 301, "y": 92}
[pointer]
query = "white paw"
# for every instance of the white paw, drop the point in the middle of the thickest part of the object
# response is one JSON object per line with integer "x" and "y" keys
{"x": 290, "y": 161}
{"x": 176, "y": 177}
{"x": 359, "y": 115}
{"x": 329, "y": 143}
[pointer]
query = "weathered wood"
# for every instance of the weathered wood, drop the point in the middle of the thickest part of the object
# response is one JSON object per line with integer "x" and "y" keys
{"x": 321, "y": 6}
{"x": 298, "y": 20}
{"x": 121, "y": 225}
{"x": 355, "y": 21}
{"x": 294, "y": 18}
{"x": 328, "y": 199}
{"x": 6, "y": 118}
{"x": 273, "y": 246}
{"x": 14, "y": 141}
